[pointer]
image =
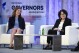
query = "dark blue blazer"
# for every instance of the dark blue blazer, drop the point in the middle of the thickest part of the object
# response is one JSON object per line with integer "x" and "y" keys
{"x": 67, "y": 22}
{"x": 11, "y": 23}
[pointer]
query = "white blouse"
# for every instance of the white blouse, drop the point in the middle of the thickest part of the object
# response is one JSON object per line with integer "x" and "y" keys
{"x": 60, "y": 25}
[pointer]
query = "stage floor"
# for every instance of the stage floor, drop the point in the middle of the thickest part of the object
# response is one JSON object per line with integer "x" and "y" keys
{"x": 7, "y": 50}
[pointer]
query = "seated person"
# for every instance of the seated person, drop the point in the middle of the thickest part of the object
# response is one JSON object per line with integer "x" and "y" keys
{"x": 16, "y": 24}
{"x": 76, "y": 48}
{"x": 60, "y": 25}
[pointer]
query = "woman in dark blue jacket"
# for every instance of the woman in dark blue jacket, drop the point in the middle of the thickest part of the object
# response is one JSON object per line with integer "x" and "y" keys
{"x": 59, "y": 26}
{"x": 16, "y": 24}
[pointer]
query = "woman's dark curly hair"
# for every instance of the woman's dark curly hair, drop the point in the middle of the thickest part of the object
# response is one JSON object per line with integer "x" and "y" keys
{"x": 64, "y": 11}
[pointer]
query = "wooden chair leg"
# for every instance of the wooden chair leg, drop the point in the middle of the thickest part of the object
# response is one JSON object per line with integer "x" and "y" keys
{"x": 26, "y": 45}
{"x": 31, "y": 45}
{"x": 0, "y": 45}
{"x": 4, "y": 45}
{"x": 43, "y": 46}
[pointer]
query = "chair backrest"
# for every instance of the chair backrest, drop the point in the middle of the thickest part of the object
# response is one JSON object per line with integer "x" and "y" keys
{"x": 74, "y": 24}
{"x": 44, "y": 29}
{"x": 6, "y": 27}
{"x": 27, "y": 23}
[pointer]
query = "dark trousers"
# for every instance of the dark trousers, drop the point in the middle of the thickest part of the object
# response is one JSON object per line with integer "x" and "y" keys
{"x": 78, "y": 44}
{"x": 52, "y": 32}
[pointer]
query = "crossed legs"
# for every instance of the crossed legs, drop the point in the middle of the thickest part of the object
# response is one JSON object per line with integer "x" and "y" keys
{"x": 14, "y": 31}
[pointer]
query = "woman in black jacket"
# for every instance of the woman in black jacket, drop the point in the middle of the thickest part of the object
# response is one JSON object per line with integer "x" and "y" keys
{"x": 60, "y": 25}
{"x": 16, "y": 24}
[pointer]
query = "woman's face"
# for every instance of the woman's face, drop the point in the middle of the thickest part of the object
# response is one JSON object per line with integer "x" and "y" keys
{"x": 62, "y": 15}
{"x": 18, "y": 12}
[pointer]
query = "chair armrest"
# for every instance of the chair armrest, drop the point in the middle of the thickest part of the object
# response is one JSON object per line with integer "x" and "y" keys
{"x": 44, "y": 29}
{"x": 72, "y": 33}
{"x": 3, "y": 28}
{"x": 29, "y": 29}
{"x": 70, "y": 28}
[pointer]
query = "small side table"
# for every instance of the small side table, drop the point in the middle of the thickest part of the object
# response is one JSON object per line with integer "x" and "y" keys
{"x": 56, "y": 43}
{"x": 78, "y": 35}
{"x": 18, "y": 42}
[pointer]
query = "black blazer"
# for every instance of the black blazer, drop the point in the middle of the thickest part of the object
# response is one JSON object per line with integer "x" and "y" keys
{"x": 11, "y": 23}
{"x": 67, "y": 22}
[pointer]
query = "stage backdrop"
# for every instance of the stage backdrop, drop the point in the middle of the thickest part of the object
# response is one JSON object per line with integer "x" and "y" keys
{"x": 72, "y": 7}
{"x": 33, "y": 11}
{"x": 0, "y": 13}
{"x": 54, "y": 7}
{"x": 29, "y": 7}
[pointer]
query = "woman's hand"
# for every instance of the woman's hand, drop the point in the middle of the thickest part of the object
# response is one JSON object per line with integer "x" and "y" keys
{"x": 57, "y": 29}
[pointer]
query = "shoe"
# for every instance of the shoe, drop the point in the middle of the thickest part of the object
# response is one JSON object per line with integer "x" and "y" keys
{"x": 11, "y": 47}
{"x": 78, "y": 43}
{"x": 76, "y": 49}
{"x": 47, "y": 48}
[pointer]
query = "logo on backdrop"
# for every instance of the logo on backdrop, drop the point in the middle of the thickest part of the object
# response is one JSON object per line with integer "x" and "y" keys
{"x": 3, "y": 5}
{"x": 26, "y": 7}
{"x": 29, "y": 7}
